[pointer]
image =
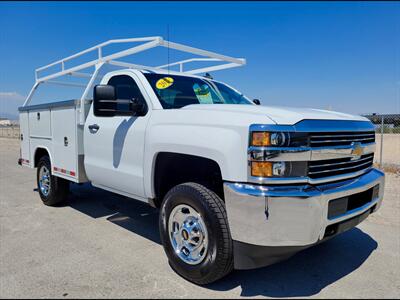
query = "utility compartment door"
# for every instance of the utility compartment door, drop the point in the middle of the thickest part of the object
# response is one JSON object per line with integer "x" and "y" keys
{"x": 40, "y": 124}
{"x": 65, "y": 156}
{"x": 24, "y": 138}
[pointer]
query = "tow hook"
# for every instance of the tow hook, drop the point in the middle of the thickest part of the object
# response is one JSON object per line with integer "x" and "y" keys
{"x": 266, "y": 210}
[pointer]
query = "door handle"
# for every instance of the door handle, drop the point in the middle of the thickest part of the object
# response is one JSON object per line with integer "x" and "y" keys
{"x": 93, "y": 128}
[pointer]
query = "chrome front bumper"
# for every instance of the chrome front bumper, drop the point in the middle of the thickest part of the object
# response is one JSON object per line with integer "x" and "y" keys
{"x": 292, "y": 215}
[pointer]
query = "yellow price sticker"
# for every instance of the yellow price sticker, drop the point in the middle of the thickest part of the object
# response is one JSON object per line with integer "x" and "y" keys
{"x": 164, "y": 83}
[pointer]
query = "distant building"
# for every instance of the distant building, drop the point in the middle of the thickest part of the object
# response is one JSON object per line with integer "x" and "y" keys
{"x": 5, "y": 122}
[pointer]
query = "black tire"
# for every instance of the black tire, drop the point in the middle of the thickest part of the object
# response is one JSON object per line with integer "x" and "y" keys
{"x": 59, "y": 187}
{"x": 218, "y": 260}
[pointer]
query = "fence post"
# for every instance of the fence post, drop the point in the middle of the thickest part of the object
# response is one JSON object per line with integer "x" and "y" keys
{"x": 381, "y": 152}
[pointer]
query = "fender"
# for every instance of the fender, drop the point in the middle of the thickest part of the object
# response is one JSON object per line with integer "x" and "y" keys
{"x": 41, "y": 147}
{"x": 198, "y": 133}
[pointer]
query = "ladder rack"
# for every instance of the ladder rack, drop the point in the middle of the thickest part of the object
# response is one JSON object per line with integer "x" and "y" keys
{"x": 224, "y": 62}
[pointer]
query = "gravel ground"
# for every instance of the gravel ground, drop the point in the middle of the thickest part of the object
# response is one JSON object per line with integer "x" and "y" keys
{"x": 103, "y": 245}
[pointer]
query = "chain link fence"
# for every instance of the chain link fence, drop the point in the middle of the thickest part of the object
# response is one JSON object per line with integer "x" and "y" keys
{"x": 9, "y": 131}
{"x": 387, "y": 129}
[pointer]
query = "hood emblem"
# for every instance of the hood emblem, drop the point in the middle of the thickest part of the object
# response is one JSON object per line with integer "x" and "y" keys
{"x": 357, "y": 150}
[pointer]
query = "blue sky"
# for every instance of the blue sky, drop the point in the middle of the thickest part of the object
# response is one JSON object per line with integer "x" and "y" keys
{"x": 338, "y": 55}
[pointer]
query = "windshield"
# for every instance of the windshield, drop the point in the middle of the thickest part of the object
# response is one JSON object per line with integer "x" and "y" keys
{"x": 176, "y": 91}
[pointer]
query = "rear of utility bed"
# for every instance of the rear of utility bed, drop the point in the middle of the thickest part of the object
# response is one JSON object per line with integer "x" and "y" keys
{"x": 53, "y": 128}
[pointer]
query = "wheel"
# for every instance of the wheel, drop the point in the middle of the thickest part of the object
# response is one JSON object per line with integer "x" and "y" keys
{"x": 52, "y": 190}
{"x": 195, "y": 233}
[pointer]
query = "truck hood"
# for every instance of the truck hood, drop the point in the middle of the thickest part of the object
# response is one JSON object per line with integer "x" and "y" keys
{"x": 279, "y": 115}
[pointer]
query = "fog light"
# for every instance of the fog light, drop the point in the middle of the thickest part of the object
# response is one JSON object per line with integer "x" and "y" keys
{"x": 375, "y": 192}
{"x": 278, "y": 168}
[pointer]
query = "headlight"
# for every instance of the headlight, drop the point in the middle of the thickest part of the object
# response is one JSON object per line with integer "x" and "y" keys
{"x": 265, "y": 139}
{"x": 260, "y": 139}
{"x": 261, "y": 169}
{"x": 278, "y": 169}
{"x": 278, "y": 139}
{"x": 267, "y": 148}
{"x": 267, "y": 169}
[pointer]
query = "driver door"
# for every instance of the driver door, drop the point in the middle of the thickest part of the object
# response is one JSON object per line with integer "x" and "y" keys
{"x": 114, "y": 146}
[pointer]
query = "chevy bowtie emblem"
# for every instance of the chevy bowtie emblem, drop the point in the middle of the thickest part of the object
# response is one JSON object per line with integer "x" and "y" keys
{"x": 357, "y": 150}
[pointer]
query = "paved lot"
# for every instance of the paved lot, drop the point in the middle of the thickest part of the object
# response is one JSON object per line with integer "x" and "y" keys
{"x": 102, "y": 245}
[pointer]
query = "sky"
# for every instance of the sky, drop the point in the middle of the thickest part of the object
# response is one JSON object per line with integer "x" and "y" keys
{"x": 342, "y": 56}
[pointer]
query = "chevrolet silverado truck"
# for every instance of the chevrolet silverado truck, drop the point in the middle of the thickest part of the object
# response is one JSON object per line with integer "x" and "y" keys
{"x": 238, "y": 185}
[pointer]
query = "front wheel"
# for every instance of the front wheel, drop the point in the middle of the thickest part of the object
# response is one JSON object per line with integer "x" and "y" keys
{"x": 195, "y": 233}
{"x": 52, "y": 190}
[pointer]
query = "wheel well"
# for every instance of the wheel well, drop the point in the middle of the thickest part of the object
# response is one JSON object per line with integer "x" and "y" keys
{"x": 39, "y": 153}
{"x": 172, "y": 169}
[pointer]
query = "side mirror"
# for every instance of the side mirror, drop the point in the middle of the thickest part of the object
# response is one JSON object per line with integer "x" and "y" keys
{"x": 107, "y": 104}
{"x": 104, "y": 101}
{"x": 256, "y": 101}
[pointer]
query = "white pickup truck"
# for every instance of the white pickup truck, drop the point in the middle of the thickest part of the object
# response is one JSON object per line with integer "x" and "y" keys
{"x": 238, "y": 185}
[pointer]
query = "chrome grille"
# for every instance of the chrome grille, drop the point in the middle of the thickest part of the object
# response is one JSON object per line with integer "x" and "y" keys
{"x": 332, "y": 167}
{"x": 323, "y": 139}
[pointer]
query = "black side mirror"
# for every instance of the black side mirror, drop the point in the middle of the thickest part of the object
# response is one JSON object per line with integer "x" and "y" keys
{"x": 256, "y": 101}
{"x": 104, "y": 101}
{"x": 137, "y": 107}
{"x": 107, "y": 104}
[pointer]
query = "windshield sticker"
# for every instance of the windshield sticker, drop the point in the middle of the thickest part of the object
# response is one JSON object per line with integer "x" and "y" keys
{"x": 203, "y": 93}
{"x": 164, "y": 83}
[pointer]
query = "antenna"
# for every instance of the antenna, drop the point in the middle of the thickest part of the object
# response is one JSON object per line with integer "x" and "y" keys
{"x": 168, "y": 46}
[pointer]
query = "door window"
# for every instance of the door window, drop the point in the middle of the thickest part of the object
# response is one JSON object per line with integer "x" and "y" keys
{"x": 126, "y": 88}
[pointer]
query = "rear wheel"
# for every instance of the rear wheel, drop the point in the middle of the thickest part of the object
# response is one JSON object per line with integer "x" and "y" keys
{"x": 195, "y": 233}
{"x": 52, "y": 190}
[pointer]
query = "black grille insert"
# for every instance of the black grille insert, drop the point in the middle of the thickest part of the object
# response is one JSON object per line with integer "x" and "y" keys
{"x": 323, "y": 139}
{"x": 332, "y": 167}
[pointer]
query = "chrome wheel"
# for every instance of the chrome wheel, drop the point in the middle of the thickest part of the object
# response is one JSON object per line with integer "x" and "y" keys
{"x": 188, "y": 234}
{"x": 44, "y": 180}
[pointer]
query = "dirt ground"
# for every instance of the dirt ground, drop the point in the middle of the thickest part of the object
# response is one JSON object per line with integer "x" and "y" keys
{"x": 391, "y": 149}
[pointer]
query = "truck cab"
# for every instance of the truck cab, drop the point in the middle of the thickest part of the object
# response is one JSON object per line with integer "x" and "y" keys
{"x": 238, "y": 185}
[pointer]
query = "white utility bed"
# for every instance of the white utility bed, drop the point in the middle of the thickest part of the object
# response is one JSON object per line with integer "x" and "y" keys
{"x": 54, "y": 126}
